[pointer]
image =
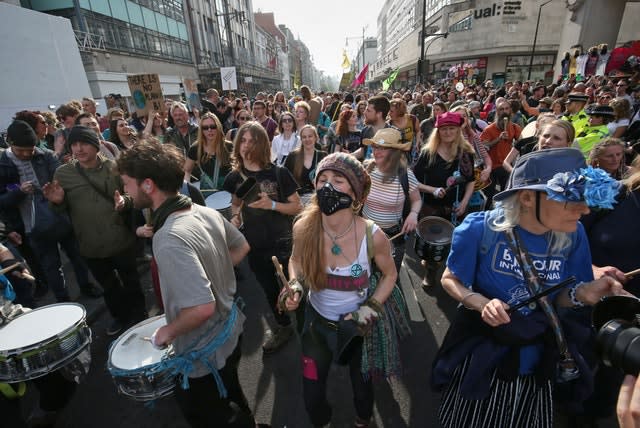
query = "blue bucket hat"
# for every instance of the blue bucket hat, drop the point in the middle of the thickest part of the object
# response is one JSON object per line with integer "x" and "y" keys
{"x": 563, "y": 174}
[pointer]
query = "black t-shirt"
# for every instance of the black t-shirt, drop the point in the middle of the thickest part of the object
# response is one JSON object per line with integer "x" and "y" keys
{"x": 436, "y": 174}
{"x": 208, "y": 167}
{"x": 265, "y": 228}
{"x": 305, "y": 181}
{"x": 525, "y": 145}
{"x": 352, "y": 141}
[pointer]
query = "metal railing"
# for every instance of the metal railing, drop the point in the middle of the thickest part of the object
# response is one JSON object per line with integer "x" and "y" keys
{"x": 89, "y": 42}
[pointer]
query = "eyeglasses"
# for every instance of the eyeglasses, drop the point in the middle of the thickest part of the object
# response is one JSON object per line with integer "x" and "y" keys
{"x": 208, "y": 127}
{"x": 287, "y": 120}
{"x": 605, "y": 97}
{"x": 244, "y": 118}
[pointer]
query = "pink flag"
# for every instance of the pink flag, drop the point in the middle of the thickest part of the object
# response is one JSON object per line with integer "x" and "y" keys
{"x": 360, "y": 78}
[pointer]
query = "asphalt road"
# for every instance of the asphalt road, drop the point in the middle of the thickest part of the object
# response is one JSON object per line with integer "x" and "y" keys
{"x": 273, "y": 384}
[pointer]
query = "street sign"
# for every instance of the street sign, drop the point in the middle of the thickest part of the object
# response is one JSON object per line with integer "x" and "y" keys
{"x": 229, "y": 78}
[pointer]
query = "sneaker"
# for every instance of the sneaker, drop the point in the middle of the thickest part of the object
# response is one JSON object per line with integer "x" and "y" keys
{"x": 276, "y": 339}
{"x": 115, "y": 328}
{"x": 91, "y": 290}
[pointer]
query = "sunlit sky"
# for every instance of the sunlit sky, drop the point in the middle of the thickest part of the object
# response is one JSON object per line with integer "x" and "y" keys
{"x": 324, "y": 25}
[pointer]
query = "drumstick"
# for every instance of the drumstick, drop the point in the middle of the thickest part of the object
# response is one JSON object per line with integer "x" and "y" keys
{"x": 549, "y": 290}
{"x": 632, "y": 273}
{"x": 396, "y": 235}
{"x": 22, "y": 274}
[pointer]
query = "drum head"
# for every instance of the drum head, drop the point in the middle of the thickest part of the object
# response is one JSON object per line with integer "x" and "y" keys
{"x": 219, "y": 200}
{"x": 435, "y": 230}
{"x": 132, "y": 351}
{"x": 529, "y": 130}
{"x": 40, "y": 325}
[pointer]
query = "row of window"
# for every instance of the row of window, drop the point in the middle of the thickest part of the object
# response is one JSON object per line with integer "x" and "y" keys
{"x": 122, "y": 36}
{"x": 170, "y": 8}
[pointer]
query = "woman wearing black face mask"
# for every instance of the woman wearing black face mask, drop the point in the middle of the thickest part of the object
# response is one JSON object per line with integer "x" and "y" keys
{"x": 333, "y": 253}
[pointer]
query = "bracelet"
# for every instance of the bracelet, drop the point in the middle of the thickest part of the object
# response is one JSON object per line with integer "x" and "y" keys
{"x": 572, "y": 296}
{"x": 436, "y": 191}
{"x": 273, "y": 205}
{"x": 374, "y": 304}
{"x": 473, "y": 293}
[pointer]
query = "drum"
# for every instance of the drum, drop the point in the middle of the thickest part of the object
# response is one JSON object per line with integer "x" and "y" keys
{"x": 221, "y": 202}
{"x": 433, "y": 239}
{"x": 42, "y": 340}
{"x": 136, "y": 366}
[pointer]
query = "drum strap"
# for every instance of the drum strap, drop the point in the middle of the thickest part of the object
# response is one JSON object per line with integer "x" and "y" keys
{"x": 10, "y": 393}
{"x": 184, "y": 364}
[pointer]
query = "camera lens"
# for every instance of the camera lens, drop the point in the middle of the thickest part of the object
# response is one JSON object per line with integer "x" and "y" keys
{"x": 619, "y": 346}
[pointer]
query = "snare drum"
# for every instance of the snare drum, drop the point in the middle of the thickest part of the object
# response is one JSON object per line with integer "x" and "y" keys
{"x": 433, "y": 239}
{"x": 136, "y": 366}
{"x": 221, "y": 202}
{"x": 42, "y": 340}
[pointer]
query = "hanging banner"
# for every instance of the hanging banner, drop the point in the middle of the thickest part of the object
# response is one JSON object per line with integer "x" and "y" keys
{"x": 191, "y": 93}
{"x": 229, "y": 78}
{"x": 146, "y": 93}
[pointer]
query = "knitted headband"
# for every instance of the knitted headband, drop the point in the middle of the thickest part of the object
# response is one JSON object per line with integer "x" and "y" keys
{"x": 352, "y": 170}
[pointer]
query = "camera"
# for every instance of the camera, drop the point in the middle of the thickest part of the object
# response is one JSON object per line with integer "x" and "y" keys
{"x": 617, "y": 320}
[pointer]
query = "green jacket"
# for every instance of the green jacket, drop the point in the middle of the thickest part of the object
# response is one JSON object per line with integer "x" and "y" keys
{"x": 589, "y": 137}
{"x": 100, "y": 230}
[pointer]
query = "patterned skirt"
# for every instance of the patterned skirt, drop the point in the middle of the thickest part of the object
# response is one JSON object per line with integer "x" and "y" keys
{"x": 518, "y": 403}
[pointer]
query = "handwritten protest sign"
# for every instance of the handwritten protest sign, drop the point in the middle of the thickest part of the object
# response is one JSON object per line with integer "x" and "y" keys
{"x": 146, "y": 93}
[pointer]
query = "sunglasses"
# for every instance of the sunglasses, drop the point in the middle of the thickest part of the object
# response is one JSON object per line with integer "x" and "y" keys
{"x": 208, "y": 127}
{"x": 243, "y": 118}
{"x": 287, "y": 120}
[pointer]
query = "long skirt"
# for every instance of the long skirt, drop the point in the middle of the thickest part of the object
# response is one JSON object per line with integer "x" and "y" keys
{"x": 517, "y": 403}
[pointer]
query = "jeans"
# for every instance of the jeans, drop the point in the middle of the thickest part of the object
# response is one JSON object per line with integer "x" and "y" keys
{"x": 48, "y": 255}
{"x": 319, "y": 342}
{"x": 202, "y": 406}
{"x": 122, "y": 290}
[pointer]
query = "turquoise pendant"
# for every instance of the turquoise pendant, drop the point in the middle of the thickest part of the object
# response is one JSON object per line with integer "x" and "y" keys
{"x": 336, "y": 250}
{"x": 356, "y": 270}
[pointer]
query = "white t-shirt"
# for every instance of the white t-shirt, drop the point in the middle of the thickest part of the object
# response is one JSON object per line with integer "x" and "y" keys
{"x": 615, "y": 125}
{"x": 281, "y": 147}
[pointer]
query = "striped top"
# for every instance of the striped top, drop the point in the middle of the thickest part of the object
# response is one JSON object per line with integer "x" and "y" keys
{"x": 386, "y": 200}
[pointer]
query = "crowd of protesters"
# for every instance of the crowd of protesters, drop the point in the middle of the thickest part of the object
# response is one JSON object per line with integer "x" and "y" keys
{"x": 396, "y": 157}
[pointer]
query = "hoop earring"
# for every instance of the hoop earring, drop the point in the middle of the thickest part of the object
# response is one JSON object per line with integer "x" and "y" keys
{"x": 356, "y": 206}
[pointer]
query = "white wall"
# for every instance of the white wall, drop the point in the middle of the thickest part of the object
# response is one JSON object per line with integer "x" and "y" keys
{"x": 40, "y": 65}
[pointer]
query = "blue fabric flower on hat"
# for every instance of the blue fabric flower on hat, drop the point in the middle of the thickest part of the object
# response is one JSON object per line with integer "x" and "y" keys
{"x": 566, "y": 187}
{"x": 592, "y": 185}
{"x": 601, "y": 189}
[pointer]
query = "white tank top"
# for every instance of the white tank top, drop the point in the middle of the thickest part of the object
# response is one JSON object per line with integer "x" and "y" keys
{"x": 330, "y": 303}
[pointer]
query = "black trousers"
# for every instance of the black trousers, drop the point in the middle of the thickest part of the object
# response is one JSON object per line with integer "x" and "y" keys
{"x": 499, "y": 177}
{"x": 319, "y": 343}
{"x": 202, "y": 406}
{"x": 119, "y": 278}
{"x": 262, "y": 267}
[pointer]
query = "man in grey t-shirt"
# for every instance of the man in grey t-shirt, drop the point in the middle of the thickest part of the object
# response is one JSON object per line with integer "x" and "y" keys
{"x": 195, "y": 249}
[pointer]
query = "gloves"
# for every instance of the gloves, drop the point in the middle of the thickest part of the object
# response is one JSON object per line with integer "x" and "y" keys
{"x": 365, "y": 314}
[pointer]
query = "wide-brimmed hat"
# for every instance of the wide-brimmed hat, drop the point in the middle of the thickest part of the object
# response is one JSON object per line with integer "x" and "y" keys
{"x": 388, "y": 138}
{"x": 598, "y": 110}
{"x": 563, "y": 175}
{"x": 533, "y": 170}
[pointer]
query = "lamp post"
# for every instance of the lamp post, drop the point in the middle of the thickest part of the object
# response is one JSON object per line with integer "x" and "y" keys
{"x": 425, "y": 49}
{"x": 358, "y": 37}
{"x": 535, "y": 39}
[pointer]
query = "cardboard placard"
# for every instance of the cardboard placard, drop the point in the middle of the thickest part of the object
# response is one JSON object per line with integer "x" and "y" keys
{"x": 229, "y": 78}
{"x": 191, "y": 93}
{"x": 146, "y": 93}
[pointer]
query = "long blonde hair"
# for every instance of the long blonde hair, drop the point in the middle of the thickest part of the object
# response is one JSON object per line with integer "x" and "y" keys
{"x": 459, "y": 145}
{"x": 219, "y": 146}
{"x": 308, "y": 241}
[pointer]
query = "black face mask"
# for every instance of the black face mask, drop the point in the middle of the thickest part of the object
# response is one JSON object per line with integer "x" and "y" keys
{"x": 331, "y": 200}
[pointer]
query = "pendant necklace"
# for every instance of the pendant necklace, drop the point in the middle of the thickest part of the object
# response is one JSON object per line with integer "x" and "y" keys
{"x": 335, "y": 249}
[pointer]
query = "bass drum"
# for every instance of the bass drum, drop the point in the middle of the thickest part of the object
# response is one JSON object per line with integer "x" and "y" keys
{"x": 433, "y": 239}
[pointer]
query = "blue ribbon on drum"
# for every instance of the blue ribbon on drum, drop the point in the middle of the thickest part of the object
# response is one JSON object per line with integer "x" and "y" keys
{"x": 183, "y": 365}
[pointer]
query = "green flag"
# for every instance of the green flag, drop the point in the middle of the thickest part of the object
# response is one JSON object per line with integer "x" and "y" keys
{"x": 389, "y": 80}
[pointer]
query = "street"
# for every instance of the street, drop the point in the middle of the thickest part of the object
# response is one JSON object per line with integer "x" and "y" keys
{"x": 273, "y": 384}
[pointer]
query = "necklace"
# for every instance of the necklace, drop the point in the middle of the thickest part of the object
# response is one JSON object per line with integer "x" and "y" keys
{"x": 336, "y": 249}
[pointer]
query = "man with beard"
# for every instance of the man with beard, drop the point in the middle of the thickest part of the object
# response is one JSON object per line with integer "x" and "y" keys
{"x": 195, "y": 249}
{"x": 374, "y": 118}
{"x": 183, "y": 134}
{"x": 498, "y": 138}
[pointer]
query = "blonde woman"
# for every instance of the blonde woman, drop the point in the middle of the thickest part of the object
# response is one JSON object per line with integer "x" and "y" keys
{"x": 209, "y": 158}
{"x": 302, "y": 162}
{"x": 608, "y": 155}
{"x": 621, "y": 110}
